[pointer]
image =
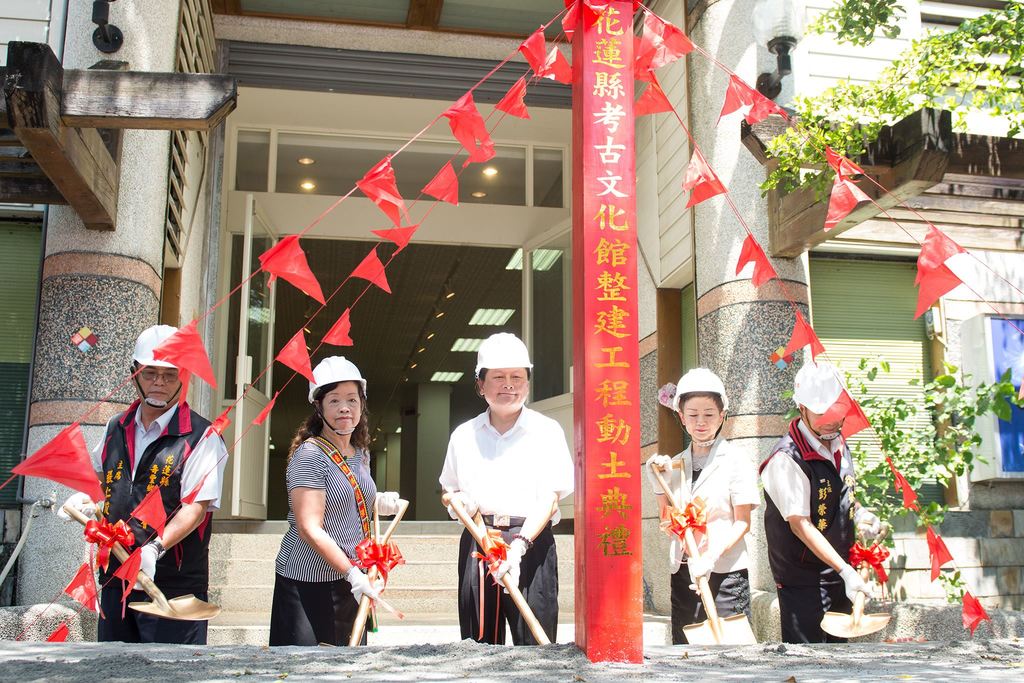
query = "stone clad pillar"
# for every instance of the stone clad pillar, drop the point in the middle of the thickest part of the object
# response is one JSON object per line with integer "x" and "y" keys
{"x": 108, "y": 281}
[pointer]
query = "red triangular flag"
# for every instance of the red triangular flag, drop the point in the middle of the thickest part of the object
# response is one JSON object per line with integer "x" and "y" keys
{"x": 846, "y": 408}
{"x": 265, "y": 413}
{"x": 469, "y": 129}
{"x": 287, "y": 260}
{"x": 591, "y": 13}
{"x": 661, "y": 43}
{"x": 151, "y": 511}
{"x": 938, "y": 552}
{"x": 186, "y": 351}
{"x": 400, "y": 236}
{"x": 534, "y": 49}
{"x": 338, "y": 335}
{"x": 129, "y": 570}
{"x": 444, "y": 185}
{"x": 379, "y": 185}
{"x": 222, "y": 422}
{"x": 296, "y": 356}
{"x": 190, "y": 498}
{"x": 973, "y": 613}
{"x": 803, "y": 334}
{"x": 841, "y": 165}
{"x": 652, "y": 100}
{"x": 59, "y": 635}
{"x": 557, "y": 67}
{"x": 739, "y": 95}
{"x": 514, "y": 101}
{"x": 901, "y": 485}
{"x": 753, "y": 253}
{"x": 844, "y": 198}
{"x": 65, "y": 460}
{"x": 701, "y": 179}
{"x": 184, "y": 376}
{"x": 932, "y": 286}
{"x": 373, "y": 270}
{"x": 936, "y": 249}
{"x": 83, "y": 587}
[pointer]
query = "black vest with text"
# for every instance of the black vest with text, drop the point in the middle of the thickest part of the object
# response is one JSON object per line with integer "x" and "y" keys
{"x": 831, "y": 504}
{"x": 184, "y": 568}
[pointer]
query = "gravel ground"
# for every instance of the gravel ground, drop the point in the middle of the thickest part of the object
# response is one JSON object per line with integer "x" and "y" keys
{"x": 968, "y": 661}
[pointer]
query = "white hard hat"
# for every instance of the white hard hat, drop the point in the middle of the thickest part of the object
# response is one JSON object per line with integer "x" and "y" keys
{"x": 334, "y": 369}
{"x": 703, "y": 381}
{"x": 502, "y": 350}
{"x": 817, "y": 386}
{"x": 151, "y": 338}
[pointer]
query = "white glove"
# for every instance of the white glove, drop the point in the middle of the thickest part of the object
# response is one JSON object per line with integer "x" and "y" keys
{"x": 513, "y": 558}
{"x": 701, "y": 566}
{"x": 853, "y": 583}
{"x": 867, "y": 523}
{"x": 361, "y": 584}
{"x": 149, "y": 556}
{"x": 81, "y": 502}
{"x": 467, "y": 502}
{"x": 387, "y": 503}
{"x": 663, "y": 463}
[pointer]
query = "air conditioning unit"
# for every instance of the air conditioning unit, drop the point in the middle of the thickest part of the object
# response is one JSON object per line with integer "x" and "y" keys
{"x": 990, "y": 346}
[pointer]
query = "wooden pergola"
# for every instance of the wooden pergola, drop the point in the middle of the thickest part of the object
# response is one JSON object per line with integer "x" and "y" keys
{"x": 969, "y": 186}
{"x": 60, "y": 129}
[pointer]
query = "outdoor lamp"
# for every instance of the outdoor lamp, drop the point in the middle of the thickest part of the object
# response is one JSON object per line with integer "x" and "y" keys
{"x": 777, "y": 24}
{"x": 107, "y": 37}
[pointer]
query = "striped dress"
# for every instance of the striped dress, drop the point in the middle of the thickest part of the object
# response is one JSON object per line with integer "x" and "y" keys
{"x": 311, "y": 468}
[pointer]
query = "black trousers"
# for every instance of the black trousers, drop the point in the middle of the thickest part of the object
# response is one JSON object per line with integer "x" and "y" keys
{"x": 136, "y": 627}
{"x": 802, "y": 608}
{"x": 538, "y": 582}
{"x": 732, "y": 596}
{"x": 312, "y": 612}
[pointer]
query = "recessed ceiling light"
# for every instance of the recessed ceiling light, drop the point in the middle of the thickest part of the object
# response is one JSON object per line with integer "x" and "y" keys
{"x": 490, "y": 171}
{"x": 421, "y": 349}
{"x": 479, "y": 195}
{"x": 491, "y": 316}
{"x": 307, "y": 185}
{"x": 430, "y": 336}
{"x": 449, "y": 295}
{"x": 446, "y": 377}
{"x": 306, "y": 161}
{"x": 439, "y": 314}
{"x": 412, "y": 366}
{"x": 464, "y": 344}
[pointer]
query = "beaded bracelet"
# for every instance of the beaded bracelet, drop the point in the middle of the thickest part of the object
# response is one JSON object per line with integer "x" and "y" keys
{"x": 524, "y": 539}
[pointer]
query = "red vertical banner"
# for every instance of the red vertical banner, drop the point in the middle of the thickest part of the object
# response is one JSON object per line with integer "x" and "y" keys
{"x": 609, "y": 588}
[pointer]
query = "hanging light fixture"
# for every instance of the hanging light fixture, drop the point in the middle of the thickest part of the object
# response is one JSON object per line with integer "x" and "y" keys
{"x": 778, "y": 25}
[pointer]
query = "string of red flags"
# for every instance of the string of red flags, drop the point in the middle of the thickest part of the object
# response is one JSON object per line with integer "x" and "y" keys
{"x": 150, "y": 511}
{"x": 804, "y": 335}
{"x": 534, "y": 49}
{"x": 973, "y": 613}
{"x": 653, "y": 99}
{"x": 938, "y": 551}
{"x": 221, "y": 423}
{"x": 64, "y": 459}
{"x": 444, "y": 185}
{"x": 82, "y": 587}
{"x": 380, "y": 186}
{"x": 753, "y": 253}
{"x": 847, "y": 409}
{"x": 512, "y": 103}
{"x": 287, "y": 260}
{"x": 295, "y": 355}
{"x": 700, "y": 180}
{"x": 661, "y": 43}
{"x": 127, "y": 573}
{"x": 371, "y": 269}
{"x": 402, "y": 236}
{"x": 845, "y": 195}
{"x": 185, "y": 377}
{"x": 741, "y": 97}
{"x": 59, "y": 635}
{"x": 470, "y": 130}
{"x": 934, "y": 278}
{"x": 903, "y": 487}
{"x": 340, "y": 332}
{"x": 185, "y": 350}
{"x": 265, "y": 413}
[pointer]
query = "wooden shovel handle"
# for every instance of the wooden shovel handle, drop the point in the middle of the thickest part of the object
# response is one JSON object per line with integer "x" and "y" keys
{"x": 364, "y": 602}
{"x": 121, "y": 554}
{"x": 479, "y": 534}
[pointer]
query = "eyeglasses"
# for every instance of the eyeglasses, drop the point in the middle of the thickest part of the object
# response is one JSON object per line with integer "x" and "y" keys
{"x": 165, "y": 376}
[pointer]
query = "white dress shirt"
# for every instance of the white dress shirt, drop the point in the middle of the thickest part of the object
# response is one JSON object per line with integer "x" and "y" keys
{"x": 510, "y": 473}
{"x": 787, "y": 485}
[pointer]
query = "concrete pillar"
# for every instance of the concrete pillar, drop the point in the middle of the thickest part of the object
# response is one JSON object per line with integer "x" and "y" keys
{"x": 109, "y": 281}
{"x": 432, "y": 431}
{"x": 738, "y": 325}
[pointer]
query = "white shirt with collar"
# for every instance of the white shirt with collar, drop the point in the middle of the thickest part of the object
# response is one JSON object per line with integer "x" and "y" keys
{"x": 787, "y": 485}
{"x": 729, "y": 478}
{"x": 510, "y": 473}
{"x": 207, "y": 460}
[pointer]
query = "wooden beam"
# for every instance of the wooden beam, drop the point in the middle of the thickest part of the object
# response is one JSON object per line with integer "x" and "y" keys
{"x": 29, "y": 191}
{"x": 94, "y": 98}
{"x": 424, "y": 14}
{"x": 907, "y": 159}
{"x": 76, "y": 161}
{"x": 984, "y": 155}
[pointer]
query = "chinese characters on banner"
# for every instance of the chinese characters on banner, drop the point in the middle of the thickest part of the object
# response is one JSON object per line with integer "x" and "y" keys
{"x": 609, "y": 596}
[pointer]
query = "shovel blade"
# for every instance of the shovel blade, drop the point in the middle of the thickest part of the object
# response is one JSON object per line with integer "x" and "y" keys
{"x": 841, "y": 625}
{"x": 735, "y": 631}
{"x": 185, "y": 608}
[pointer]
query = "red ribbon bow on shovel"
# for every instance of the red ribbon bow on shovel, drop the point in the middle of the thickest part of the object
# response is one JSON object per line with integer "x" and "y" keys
{"x": 693, "y": 516}
{"x": 874, "y": 556}
{"x": 105, "y": 535}
{"x": 496, "y": 550}
{"x": 383, "y": 556}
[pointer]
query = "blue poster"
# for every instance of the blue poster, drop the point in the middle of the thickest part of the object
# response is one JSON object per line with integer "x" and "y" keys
{"x": 1008, "y": 353}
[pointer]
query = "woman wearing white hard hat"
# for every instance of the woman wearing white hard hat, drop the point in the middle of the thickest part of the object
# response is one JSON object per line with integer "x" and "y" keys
{"x": 157, "y": 444}
{"x": 331, "y": 494}
{"x": 810, "y": 513}
{"x": 512, "y": 465}
{"x": 724, "y": 478}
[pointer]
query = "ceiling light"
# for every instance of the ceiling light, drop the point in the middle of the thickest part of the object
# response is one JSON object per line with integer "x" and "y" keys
{"x": 307, "y": 185}
{"x": 440, "y": 314}
{"x": 479, "y": 195}
{"x": 411, "y": 367}
{"x": 421, "y": 349}
{"x": 516, "y": 262}
{"x": 430, "y": 336}
{"x": 398, "y": 431}
{"x": 446, "y": 377}
{"x": 463, "y": 344}
{"x": 449, "y": 295}
{"x": 491, "y": 316}
{"x": 542, "y": 259}
{"x": 306, "y": 161}
{"x": 490, "y": 171}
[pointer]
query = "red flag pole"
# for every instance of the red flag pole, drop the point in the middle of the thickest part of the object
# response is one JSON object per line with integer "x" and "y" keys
{"x": 609, "y": 593}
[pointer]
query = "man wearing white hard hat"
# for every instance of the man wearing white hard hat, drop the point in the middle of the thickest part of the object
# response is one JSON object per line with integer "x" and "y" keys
{"x": 724, "y": 479}
{"x": 811, "y": 516}
{"x": 157, "y": 443}
{"x": 512, "y": 465}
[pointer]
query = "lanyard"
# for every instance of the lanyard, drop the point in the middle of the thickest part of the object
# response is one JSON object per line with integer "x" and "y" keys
{"x": 331, "y": 452}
